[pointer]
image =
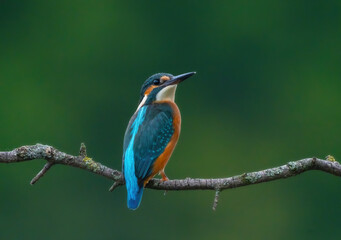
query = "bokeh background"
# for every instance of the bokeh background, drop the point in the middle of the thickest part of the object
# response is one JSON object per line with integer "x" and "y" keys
{"x": 267, "y": 92}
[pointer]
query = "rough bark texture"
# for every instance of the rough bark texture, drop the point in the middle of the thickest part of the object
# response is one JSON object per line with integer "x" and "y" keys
{"x": 54, "y": 156}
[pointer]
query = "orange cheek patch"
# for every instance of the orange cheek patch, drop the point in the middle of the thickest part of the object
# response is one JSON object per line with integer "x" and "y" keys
{"x": 149, "y": 89}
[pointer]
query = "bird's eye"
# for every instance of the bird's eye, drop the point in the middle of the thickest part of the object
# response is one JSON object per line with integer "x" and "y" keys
{"x": 156, "y": 81}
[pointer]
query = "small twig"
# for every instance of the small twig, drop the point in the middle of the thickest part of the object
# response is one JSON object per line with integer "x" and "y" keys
{"x": 115, "y": 185}
{"x": 82, "y": 150}
{"x": 216, "y": 199}
{"x": 42, "y": 172}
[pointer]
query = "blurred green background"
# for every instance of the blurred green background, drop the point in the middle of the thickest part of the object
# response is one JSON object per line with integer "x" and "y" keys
{"x": 267, "y": 92}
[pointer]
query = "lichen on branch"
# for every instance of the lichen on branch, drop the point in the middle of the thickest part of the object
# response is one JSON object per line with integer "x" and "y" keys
{"x": 54, "y": 156}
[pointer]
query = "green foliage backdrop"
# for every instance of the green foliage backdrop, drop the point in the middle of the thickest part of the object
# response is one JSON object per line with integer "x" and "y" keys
{"x": 267, "y": 92}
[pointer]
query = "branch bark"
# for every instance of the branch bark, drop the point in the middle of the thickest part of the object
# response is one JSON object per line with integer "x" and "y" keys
{"x": 54, "y": 156}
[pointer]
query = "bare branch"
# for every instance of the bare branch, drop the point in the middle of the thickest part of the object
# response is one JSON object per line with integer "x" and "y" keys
{"x": 216, "y": 199}
{"x": 115, "y": 185}
{"x": 54, "y": 156}
{"x": 82, "y": 150}
{"x": 42, "y": 172}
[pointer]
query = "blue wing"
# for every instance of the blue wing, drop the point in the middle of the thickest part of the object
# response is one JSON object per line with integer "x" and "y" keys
{"x": 151, "y": 138}
{"x": 148, "y": 133}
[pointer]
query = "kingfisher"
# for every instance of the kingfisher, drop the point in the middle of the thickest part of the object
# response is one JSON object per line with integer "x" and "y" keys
{"x": 151, "y": 135}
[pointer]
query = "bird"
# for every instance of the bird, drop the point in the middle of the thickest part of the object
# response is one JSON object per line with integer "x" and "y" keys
{"x": 151, "y": 135}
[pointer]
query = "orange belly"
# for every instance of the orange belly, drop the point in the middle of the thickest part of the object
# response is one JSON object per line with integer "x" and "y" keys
{"x": 161, "y": 162}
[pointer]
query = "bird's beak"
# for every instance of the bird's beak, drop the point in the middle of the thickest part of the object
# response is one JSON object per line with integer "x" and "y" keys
{"x": 178, "y": 79}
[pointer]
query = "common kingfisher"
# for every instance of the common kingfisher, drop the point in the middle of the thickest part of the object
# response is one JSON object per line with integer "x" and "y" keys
{"x": 151, "y": 135}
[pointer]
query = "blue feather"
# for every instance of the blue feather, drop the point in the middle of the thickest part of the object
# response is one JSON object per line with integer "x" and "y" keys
{"x": 134, "y": 203}
{"x": 147, "y": 135}
{"x": 152, "y": 138}
{"x": 134, "y": 190}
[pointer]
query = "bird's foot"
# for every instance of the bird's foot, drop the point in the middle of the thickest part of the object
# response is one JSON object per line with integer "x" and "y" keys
{"x": 164, "y": 177}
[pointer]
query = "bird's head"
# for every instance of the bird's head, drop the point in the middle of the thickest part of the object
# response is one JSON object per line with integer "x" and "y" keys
{"x": 160, "y": 87}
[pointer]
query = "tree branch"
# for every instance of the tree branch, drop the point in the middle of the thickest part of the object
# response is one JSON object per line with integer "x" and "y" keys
{"x": 54, "y": 156}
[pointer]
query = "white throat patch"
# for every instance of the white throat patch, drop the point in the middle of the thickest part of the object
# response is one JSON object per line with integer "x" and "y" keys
{"x": 168, "y": 93}
{"x": 142, "y": 102}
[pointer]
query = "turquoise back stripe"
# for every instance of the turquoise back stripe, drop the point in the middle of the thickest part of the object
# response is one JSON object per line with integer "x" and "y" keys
{"x": 129, "y": 161}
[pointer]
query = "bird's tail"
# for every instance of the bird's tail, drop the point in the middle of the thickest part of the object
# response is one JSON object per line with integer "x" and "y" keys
{"x": 134, "y": 199}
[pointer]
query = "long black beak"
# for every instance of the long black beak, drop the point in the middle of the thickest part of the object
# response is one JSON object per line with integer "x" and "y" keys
{"x": 178, "y": 79}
